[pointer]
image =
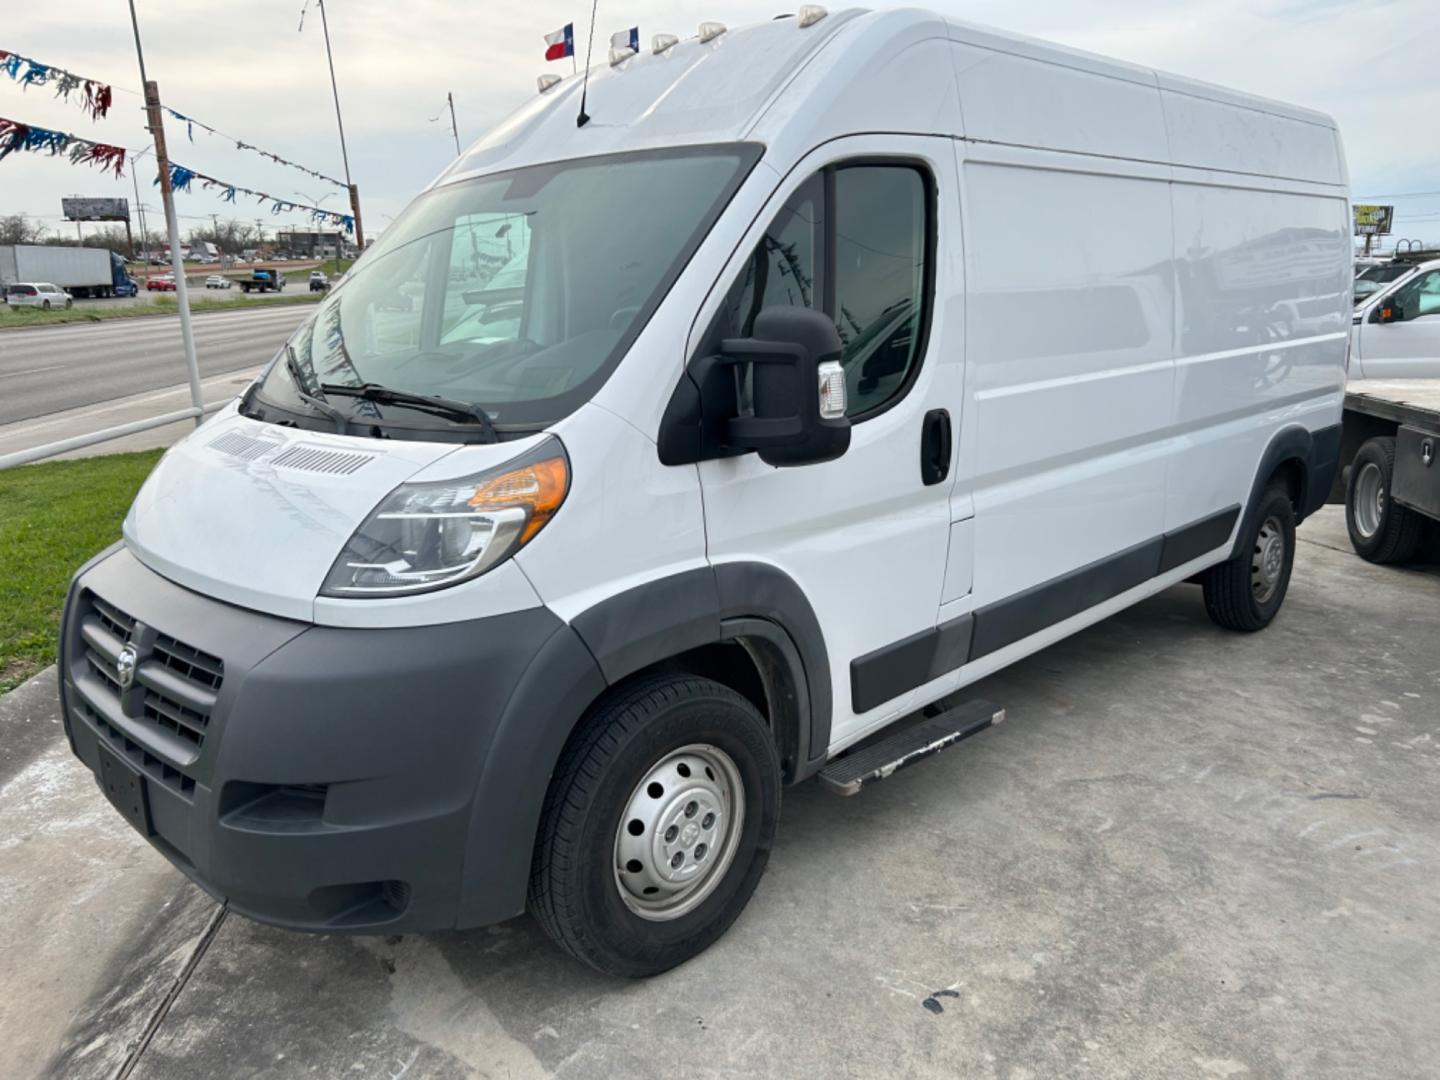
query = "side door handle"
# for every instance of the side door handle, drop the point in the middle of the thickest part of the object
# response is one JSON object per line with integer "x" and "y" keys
{"x": 935, "y": 447}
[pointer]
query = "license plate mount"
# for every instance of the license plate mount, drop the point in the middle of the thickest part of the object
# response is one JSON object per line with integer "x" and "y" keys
{"x": 125, "y": 788}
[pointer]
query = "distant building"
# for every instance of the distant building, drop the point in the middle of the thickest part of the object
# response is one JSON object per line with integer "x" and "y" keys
{"x": 198, "y": 250}
{"x": 313, "y": 245}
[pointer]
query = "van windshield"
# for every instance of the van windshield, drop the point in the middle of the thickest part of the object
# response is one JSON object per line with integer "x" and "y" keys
{"x": 518, "y": 291}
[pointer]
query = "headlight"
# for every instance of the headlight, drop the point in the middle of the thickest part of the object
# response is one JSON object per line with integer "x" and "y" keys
{"x": 428, "y": 536}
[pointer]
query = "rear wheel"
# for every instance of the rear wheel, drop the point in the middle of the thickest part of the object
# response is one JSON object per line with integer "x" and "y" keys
{"x": 1381, "y": 530}
{"x": 657, "y": 825}
{"x": 1245, "y": 593}
{"x": 45, "y": 305}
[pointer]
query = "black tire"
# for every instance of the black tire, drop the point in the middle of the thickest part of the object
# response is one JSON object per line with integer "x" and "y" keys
{"x": 1395, "y": 531}
{"x": 1245, "y": 592}
{"x": 44, "y": 305}
{"x": 575, "y": 892}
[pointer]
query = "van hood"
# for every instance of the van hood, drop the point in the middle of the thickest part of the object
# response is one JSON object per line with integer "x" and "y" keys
{"x": 255, "y": 515}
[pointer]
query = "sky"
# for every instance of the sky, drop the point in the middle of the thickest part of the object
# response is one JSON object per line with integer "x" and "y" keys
{"x": 245, "y": 68}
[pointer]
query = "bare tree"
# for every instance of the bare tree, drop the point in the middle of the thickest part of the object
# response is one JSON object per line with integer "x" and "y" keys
{"x": 231, "y": 237}
{"x": 19, "y": 229}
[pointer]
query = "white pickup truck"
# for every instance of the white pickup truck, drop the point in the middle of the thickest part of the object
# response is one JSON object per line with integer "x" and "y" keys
{"x": 1396, "y": 330}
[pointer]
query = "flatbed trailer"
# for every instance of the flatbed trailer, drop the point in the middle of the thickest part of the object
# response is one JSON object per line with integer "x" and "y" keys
{"x": 1389, "y": 477}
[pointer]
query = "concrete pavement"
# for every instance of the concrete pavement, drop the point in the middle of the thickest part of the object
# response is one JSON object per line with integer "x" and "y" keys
{"x": 53, "y": 369}
{"x": 1187, "y": 853}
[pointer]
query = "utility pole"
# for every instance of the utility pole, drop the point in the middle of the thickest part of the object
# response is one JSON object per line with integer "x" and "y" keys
{"x": 454, "y": 128}
{"x": 172, "y": 226}
{"x": 140, "y": 213}
{"x": 340, "y": 123}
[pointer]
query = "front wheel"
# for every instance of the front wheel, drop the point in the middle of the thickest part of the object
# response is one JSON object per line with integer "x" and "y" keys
{"x": 1381, "y": 530}
{"x": 1245, "y": 593}
{"x": 657, "y": 825}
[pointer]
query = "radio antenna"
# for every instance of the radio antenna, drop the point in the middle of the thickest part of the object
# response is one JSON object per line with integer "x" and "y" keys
{"x": 584, "y": 117}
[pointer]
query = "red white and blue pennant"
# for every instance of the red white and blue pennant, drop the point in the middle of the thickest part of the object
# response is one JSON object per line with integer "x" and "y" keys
{"x": 16, "y": 137}
{"x": 95, "y": 96}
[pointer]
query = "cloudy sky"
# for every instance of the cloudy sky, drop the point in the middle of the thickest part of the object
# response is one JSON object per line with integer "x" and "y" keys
{"x": 243, "y": 68}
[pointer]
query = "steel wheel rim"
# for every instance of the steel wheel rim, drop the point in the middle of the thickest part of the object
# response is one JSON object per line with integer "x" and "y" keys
{"x": 1268, "y": 561}
{"x": 679, "y": 832}
{"x": 1369, "y": 499}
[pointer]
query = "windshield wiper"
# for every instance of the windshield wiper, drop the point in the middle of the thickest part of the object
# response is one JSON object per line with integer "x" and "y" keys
{"x": 315, "y": 401}
{"x": 440, "y": 406}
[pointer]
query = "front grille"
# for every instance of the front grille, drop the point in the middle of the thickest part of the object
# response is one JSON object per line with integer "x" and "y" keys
{"x": 146, "y": 762}
{"x": 174, "y": 686}
{"x": 189, "y": 663}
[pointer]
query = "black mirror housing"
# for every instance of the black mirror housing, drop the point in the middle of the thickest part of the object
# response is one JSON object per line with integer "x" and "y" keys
{"x": 784, "y": 424}
{"x": 783, "y": 421}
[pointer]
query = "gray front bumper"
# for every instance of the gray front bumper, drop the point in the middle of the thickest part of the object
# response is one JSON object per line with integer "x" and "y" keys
{"x": 333, "y": 779}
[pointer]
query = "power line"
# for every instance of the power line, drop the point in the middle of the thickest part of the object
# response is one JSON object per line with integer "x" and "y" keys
{"x": 1402, "y": 195}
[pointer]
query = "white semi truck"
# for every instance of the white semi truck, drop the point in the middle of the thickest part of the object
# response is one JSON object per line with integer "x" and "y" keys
{"x": 81, "y": 272}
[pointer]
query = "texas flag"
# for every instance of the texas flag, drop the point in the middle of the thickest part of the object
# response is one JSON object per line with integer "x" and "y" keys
{"x": 561, "y": 43}
{"x": 626, "y": 39}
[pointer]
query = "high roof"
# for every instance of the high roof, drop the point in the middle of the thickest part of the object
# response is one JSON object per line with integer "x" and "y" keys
{"x": 907, "y": 71}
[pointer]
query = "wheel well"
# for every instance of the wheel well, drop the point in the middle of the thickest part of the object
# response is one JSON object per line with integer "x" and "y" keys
{"x": 1292, "y": 473}
{"x": 755, "y": 670}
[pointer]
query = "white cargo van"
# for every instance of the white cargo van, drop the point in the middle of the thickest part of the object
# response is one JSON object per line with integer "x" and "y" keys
{"x": 652, "y": 463}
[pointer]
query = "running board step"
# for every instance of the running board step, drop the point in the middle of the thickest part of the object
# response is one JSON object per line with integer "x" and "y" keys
{"x": 847, "y": 775}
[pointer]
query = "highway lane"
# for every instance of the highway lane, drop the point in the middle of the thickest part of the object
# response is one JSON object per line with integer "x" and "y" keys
{"x": 68, "y": 366}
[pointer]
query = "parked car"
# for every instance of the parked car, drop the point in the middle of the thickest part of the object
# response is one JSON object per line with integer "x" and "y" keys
{"x": 448, "y": 618}
{"x": 37, "y": 294}
{"x": 318, "y": 281}
{"x": 163, "y": 283}
{"x": 215, "y": 281}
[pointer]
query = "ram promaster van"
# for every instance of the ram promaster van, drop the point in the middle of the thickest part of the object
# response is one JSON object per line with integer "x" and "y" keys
{"x": 663, "y": 454}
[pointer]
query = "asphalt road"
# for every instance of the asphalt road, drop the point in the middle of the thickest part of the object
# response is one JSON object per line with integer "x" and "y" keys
{"x": 64, "y": 367}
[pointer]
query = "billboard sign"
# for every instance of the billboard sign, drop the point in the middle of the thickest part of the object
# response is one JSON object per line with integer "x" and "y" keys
{"x": 1373, "y": 220}
{"x": 79, "y": 209}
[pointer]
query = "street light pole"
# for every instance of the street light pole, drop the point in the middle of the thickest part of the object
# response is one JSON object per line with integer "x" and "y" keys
{"x": 172, "y": 225}
{"x": 340, "y": 123}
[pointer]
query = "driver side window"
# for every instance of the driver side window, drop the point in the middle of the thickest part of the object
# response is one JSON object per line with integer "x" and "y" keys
{"x": 1416, "y": 298}
{"x": 853, "y": 242}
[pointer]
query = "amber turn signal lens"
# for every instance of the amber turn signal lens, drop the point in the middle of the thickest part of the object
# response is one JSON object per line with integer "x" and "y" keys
{"x": 538, "y": 489}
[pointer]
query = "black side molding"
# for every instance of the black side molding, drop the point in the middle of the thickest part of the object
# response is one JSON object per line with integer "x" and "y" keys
{"x": 1008, "y": 621}
{"x": 1198, "y": 539}
{"x": 888, "y": 672}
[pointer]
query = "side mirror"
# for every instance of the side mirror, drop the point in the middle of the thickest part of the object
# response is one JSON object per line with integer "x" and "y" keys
{"x": 797, "y": 388}
{"x": 780, "y": 393}
{"x": 1389, "y": 311}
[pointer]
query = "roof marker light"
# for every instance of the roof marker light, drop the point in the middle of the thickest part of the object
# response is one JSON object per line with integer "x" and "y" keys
{"x": 709, "y": 31}
{"x": 619, "y": 56}
{"x": 810, "y": 14}
{"x": 547, "y": 82}
{"x": 662, "y": 43}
